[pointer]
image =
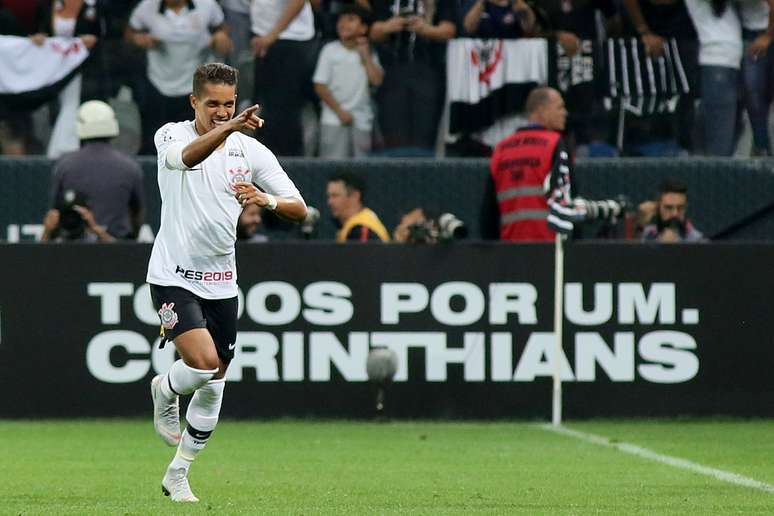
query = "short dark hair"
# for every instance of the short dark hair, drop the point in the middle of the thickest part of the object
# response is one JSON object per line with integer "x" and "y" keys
{"x": 672, "y": 185}
{"x": 352, "y": 182}
{"x": 537, "y": 98}
{"x": 361, "y": 12}
{"x": 214, "y": 73}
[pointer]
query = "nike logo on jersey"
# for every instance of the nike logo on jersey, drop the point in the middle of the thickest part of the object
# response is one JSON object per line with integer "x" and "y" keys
{"x": 232, "y": 346}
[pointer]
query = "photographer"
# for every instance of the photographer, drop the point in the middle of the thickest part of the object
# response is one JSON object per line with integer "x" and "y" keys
{"x": 346, "y": 194}
{"x": 72, "y": 221}
{"x": 666, "y": 220}
{"x": 416, "y": 227}
{"x": 96, "y": 192}
{"x": 531, "y": 172}
{"x": 498, "y": 19}
{"x": 410, "y": 36}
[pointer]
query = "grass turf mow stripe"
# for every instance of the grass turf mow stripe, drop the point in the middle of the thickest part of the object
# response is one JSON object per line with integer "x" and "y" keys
{"x": 638, "y": 451}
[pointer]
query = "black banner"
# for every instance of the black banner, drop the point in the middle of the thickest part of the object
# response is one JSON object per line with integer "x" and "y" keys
{"x": 649, "y": 330}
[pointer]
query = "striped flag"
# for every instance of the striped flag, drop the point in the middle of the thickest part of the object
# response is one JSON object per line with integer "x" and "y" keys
{"x": 490, "y": 79}
{"x": 640, "y": 84}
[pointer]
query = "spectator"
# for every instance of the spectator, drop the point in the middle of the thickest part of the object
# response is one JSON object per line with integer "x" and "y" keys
{"x": 84, "y": 19}
{"x": 415, "y": 227}
{"x": 237, "y": 15}
{"x": 669, "y": 222}
{"x": 249, "y": 224}
{"x": 284, "y": 61}
{"x": 720, "y": 57}
{"x": 574, "y": 25}
{"x": 655, "y": 22}
{"x": 498, "y": 19}
{"x": 757, "y": 18}
{"x": 177, "y": 35}
{"x": 345, "y": 71}
{"x": 96, "y": 189}
{"x": 409, "y": 34}
{"x": 346, "y": 197}
{"x": 17, "y": 18}
{"x": 531, "y": 172}
{"x": 327, "y": 12}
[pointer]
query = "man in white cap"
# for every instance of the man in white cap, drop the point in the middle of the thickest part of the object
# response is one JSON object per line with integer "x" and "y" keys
{"x": 96, "y": 183}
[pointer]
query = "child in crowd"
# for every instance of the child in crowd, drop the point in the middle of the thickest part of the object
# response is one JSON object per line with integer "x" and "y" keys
{"x": 346, "y": 69}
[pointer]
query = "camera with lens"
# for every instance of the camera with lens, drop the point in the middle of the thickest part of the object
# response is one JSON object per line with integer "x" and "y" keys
{"x": 71, "y": 223}
{"x": 416, "y": 227}
{"x": 422, "y": 232}
{"x": 451, "y": 228}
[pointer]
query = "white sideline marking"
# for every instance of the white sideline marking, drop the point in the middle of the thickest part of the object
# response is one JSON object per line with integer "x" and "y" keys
{"x": 645, "y": 453}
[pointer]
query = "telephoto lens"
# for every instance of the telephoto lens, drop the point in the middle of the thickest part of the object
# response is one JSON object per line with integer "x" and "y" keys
{"x": 451, "y": 228}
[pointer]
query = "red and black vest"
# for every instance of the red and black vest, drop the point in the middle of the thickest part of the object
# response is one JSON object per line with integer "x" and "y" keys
{"x": 520, "y": 166}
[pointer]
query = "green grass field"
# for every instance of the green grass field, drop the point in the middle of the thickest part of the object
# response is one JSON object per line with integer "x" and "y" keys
{"x": 357, "y": 468}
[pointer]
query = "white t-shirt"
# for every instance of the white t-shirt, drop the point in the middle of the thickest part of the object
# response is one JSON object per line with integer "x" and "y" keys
{"x": 184, "y": 41}
{"x": 342, "y": 71}
{"x": 720, "y": 37}
{"x": 194, "y": 248}
{"x": 265, "y": 13}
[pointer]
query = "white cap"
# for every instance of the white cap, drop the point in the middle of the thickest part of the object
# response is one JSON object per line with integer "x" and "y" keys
{"x": 96, "y": 119}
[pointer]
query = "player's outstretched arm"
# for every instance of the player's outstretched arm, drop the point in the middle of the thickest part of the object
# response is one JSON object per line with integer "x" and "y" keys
{"x": 288, "y": 208}
{"x": 198, "y": 150}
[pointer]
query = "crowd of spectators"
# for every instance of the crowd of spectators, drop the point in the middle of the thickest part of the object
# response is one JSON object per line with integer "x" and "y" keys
{"x": 340, "y": 78}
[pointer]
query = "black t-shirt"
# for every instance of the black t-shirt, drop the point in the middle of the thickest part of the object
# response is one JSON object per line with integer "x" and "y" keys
{"x": 405, "y": 46}
{"x": 577, "y": 16}
{"x": 669, "y": 20}
{"x": 497, "y": 21}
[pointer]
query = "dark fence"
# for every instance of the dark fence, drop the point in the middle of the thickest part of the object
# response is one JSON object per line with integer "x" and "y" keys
{"x": 650, "y": 330}
{"x": 729, "y": 199}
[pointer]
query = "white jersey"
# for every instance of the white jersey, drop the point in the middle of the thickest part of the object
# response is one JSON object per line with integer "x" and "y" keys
{"x": 194, "y": 248}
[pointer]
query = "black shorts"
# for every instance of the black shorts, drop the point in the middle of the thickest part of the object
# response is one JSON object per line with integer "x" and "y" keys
{"x": 180, "y": 310}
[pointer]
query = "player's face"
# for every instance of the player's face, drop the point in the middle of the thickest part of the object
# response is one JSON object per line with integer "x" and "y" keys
{"x": 555, "y": 114}
{"x": 215, "y": 106}
{"x": 673, "y": 205}
{"x": 339, "y": 200}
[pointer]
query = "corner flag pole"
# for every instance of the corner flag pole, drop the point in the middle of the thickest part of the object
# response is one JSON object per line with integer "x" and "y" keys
{"x": 556, "y": 408}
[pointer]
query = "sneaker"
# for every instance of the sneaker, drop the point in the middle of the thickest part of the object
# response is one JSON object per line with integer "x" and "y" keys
{"x": 175, "y": 486}
{"x": 166, "y": 415}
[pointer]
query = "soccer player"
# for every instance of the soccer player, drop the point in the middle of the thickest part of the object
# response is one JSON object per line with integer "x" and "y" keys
{"x": 206, "y": 171}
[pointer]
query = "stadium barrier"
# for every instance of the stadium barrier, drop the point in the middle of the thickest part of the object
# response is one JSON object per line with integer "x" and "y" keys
{"x": 729, "y": 199}
{"x": 650, "y": 330}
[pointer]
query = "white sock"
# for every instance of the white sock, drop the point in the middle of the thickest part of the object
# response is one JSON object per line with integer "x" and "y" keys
{"x": 202, "y": 416}
{"x": 182, "y": 379}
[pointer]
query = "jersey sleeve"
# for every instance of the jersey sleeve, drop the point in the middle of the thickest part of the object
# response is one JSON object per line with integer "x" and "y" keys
{"x": 562, "y": 213}
{"x": 268, "y": 173}
{"x": 170, "y": 141}
{"x": 566, "y": 211}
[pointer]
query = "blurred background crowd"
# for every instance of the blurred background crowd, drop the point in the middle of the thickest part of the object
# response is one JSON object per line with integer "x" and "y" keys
{"x": 355, "y": 78}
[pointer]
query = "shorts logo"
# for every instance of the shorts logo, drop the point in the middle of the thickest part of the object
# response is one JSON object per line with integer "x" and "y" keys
{"x": 231, "y": 346}
{"x": 168, "y": 316}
